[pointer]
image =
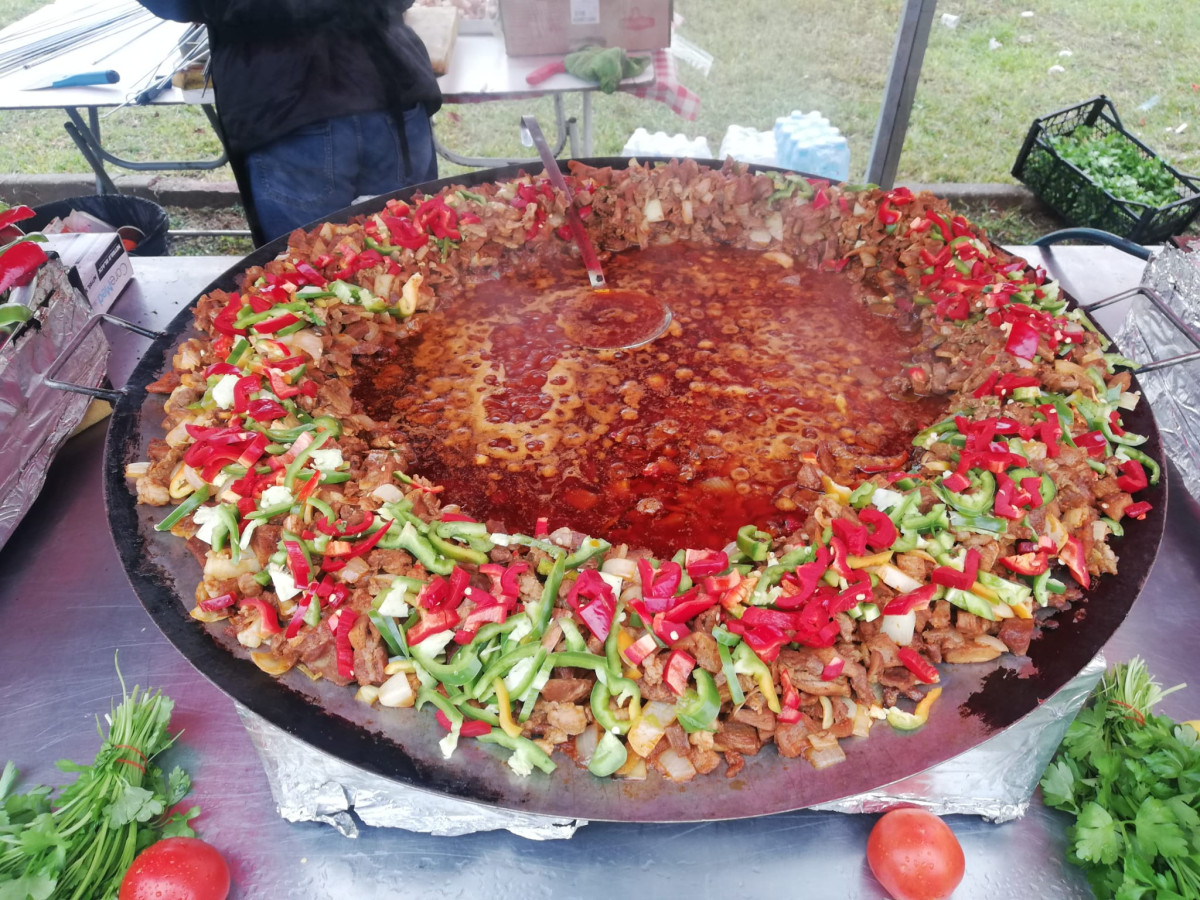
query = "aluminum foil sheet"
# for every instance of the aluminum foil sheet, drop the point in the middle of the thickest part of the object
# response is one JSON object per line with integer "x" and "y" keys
{"x": 1148, "y": 335}
{"x": 311, "y": 786}
{"x": 994, "y": 780}
{"x": 36, "y": 419}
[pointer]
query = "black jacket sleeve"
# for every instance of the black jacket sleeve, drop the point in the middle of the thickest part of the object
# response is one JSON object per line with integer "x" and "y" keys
{"x": 175, "y": 10}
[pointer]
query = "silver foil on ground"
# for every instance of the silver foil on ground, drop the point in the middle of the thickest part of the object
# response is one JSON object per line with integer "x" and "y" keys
{"x": 35, "y": 419}
{"x": 995, "y": 780}
{"x": 1147, "y": 335}
{"x": 311, "y": 786}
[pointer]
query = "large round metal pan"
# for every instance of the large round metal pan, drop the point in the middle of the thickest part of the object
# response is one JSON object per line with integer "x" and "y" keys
{"x": 978, "y": 700}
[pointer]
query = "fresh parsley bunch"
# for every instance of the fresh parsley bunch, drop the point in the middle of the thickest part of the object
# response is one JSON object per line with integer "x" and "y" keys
{"x": 79, "y": 843}
{"x": 1114, "y": 163}
{"x": 1131, "y": 778}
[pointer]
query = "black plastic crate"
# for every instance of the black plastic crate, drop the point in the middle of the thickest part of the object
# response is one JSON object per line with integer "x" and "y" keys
{"x": 1075, "y": 197}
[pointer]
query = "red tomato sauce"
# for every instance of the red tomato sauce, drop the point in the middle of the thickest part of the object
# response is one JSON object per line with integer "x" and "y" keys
{"x": 674, "y": 444}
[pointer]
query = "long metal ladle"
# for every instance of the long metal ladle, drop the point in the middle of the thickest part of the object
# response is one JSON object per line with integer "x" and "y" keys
{"x": 604, "y": 318}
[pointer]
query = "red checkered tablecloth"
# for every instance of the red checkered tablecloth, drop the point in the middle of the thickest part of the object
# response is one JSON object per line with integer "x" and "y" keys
{"x": 666, "y": 88}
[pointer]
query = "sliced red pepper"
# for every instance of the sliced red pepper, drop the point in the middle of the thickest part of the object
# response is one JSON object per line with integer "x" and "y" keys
{"x": 640, "y": 649}
{"x": 19, "y": 262}
{"x": 243, "y": 388}
{"x": 840, "y": 556}
{"x": 267, "y": 615}
{"x": 918, "y": 665}
{"x": 669, "y": 633}
{"x": 702, "y": 563}
{"x": 297, "y": 563}
{"x": 470, "y": 727}
{"x": 882, "y": 534}
{"x": 677, "y": 670}
{"x": 1026, "y": 563}
{"x": 1138, "y": 510}
{"x": 902, "y": 604}
{"x": 821, "y": 200}
{"x": 690, "y": 605}
{"x": 405, "y": 232}
{"x": 308, "y": 489}
{"x": 957, "y": 482}
{"x": 948, "y": 576}
{"x": 432, "y": 621}
{"x": 296, "y": 622}
{"x": 833, "y": 669}
{"x": 311, "y": 275}
{"x": 1003, "y": 505}
{"x": 341, "y": 638}
{"x": 270, "y": 326}
{"x": 1133, "y": 476}
{"x": 1022, "y": 340}
{"x": 15, "y": 214}
{"x": 855, "y": 536}
{"x": 1070, "y": 554}
{"x": 213, "y": 604}
{"x": 264, "y": 410}
{"x": 1094, "y": 443}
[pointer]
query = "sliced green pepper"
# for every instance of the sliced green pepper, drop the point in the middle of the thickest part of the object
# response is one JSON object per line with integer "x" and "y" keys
{"x": 525, "y": 752}
{"x": 189, "y": 504}
{"x": 610, "y": 754}
{"x": 753, "y": 544}
{"x": 602, "y": 693}
{"x": 697, "y": 710}
{"x": 539, "y": 612}
{"x": 976, "y": 501}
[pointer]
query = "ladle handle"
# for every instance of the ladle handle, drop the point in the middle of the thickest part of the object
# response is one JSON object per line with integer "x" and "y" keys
{"x": 590, "y": 260}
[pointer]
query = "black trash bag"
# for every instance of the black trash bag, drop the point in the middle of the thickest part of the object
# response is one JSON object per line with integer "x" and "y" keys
{"x": 117, "y": 210}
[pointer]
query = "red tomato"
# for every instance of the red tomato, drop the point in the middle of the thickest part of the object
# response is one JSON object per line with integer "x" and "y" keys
{"x": 915, "y": 855}
{"x": 178, "y": 868}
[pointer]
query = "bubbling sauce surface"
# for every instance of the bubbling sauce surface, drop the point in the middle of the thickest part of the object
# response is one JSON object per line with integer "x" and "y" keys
{"x": 674, "y": 444}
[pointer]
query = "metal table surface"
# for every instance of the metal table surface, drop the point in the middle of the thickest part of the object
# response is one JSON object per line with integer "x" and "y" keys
{"x": 65, "y": 608}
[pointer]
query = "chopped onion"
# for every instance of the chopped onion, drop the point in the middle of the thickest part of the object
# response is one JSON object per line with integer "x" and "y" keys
{"x": 992, "y": 641}
{"x": 585, "y": 743}
{"x": 896, "y": 578}
{"x": 826, "y": 712}
{"x": 396, "y": 692}
{"x": 900, "y": 628}
{"x": 137, "y": 469}
{"x": 354, "y": 570}
{"x": 620, "y": 566}
{"x": 367, "y": 694}
{"x": 653, "y": 210}
{"x": 651, "y": 726}
{"x": 675, "y": 767}
{"x": 388, "y": 493}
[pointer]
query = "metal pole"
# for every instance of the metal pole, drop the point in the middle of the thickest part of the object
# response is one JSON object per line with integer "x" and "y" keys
{"x": 911, "y": 40}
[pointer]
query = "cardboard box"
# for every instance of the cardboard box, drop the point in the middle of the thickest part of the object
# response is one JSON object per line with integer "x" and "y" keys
{"x": 557, "y": 27}
{"x": 99, "y": 266}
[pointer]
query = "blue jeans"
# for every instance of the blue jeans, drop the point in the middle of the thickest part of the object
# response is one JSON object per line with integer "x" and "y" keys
{"x": 321, "y": 168}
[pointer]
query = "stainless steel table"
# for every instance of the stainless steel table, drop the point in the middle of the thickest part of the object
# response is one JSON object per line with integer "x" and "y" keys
{"x": 65, "y": 608}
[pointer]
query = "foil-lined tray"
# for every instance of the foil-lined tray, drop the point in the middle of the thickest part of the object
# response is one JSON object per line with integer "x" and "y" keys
{"x": 1151, "y": 335}
{"x": 994, "y": 780}
{"x": 35, "y": 419}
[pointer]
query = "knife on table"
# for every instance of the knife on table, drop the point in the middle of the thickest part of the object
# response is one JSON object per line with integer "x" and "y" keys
{"x": 78, "y": 79}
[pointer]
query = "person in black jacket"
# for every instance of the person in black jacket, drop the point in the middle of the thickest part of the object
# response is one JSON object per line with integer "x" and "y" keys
{"x": 319, "y": 102}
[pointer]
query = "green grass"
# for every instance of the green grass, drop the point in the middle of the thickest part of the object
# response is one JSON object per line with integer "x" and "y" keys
{"x": 973, "y": 104}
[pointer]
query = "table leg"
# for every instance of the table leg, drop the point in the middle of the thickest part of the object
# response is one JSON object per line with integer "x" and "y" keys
{"x": 587, "y": 123}
{"x": 83, "y": 137}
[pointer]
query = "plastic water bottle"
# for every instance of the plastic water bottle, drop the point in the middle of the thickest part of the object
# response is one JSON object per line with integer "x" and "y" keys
{"x": 677, "y": 146}
{"x": 806, "y": 142}
{"x": 749, "y": 146}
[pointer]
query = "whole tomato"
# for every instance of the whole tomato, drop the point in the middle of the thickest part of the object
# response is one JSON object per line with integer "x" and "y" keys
{"x": 915, "y": 855}
{"x": 178, "y": 868}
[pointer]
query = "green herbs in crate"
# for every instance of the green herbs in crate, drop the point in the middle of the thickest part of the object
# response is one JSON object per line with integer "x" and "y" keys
{"x": 1115, "y": 165}
{"x": 1084, "y": 164}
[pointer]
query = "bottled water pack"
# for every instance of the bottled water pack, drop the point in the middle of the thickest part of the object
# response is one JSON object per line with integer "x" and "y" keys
{"x": 806, "y": 142}
{"x": 642, "y": 143}
{"x": 749, "y": 146}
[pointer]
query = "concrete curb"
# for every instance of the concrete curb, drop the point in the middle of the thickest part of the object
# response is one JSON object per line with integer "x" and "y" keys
{"x": 190, "y": 193}
{"x": 195, "y": 193}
